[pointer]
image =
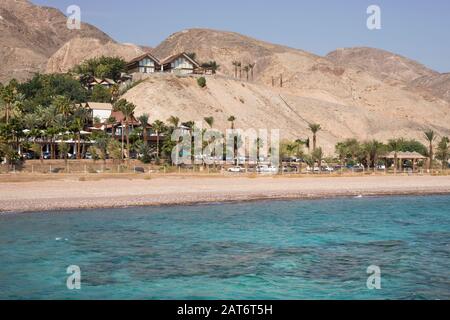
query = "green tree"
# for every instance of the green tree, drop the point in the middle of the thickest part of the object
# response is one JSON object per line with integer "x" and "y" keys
{"x": 232, "y": 120}
{"x": 101, "y": 94}
{"x": 430, "y": 136}
{"x": 127, "y": 109}
{"x": 443, "y": 151}
{"x": 251, "y": 66}
{"x": 11, "y": 102}
{"x": 114, "y": 150}
{"x": 143, "y": 120}
{"x": 374, "y": 150}
{"x": 201, "y": 82}
{"x": 42, "y": 89}
{"x": 315, "y": 128}
{"x": 211, "y": 65}
{"x": 209, "y": 121}
{"x": 246, "y": 70}
{"x": 159, "y": 127}
{"x": 102, "y": 67}
{"x": 236, "y": 66}
{"x": 63, "y": 151}
{"x": 174, "y": 121}
{"x": 317, "y": 156}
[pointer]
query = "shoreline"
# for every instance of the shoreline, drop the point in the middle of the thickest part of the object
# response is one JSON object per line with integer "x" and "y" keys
{"x": 65, "y": 195}
{"x": 228, "y": 201}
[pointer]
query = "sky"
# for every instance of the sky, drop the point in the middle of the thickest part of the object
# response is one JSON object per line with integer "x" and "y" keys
{"x": 419, "y": 30}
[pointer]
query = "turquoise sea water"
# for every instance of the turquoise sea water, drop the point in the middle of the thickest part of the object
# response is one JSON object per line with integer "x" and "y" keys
{"x": 317, "y": 249}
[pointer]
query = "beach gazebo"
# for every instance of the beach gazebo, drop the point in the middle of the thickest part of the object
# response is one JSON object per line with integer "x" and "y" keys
{"x": 402, "y": 156}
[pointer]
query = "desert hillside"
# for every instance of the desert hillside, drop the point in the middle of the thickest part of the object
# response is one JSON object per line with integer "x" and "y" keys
{"x": 31, "y": 34}
{"x": 394, "y": 69}
{"x": 381, "y": 64}
{"x": 79, "y": 49}
{"x": 259, "y": 106}
{"x": 357, "y": 92}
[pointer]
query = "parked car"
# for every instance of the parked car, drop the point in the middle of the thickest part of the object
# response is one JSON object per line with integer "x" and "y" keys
{"x": 358, "y": 168}
{"x": 88, "y": 156}
{"x": 46, "y": 155}
{"x": 266, "y": 169}
{"x": 289, "y": 169}
{"x": 327, "y": 169}
{"x": 236, "y": 169}
{"x": 28, "y": 155}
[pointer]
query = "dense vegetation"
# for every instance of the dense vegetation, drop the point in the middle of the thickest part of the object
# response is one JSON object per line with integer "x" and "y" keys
{"x": 48, "y": 108}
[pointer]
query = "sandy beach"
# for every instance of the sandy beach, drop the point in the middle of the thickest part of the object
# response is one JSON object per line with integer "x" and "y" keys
{"x": 70, "y": 193}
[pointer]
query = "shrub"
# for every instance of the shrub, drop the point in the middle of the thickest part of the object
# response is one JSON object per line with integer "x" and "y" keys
{"x": 201, "y": 82}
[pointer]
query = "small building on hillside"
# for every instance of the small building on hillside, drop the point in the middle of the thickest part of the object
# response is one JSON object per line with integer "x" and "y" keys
{"x": 145, "y": 63}
{"x": 107, "y": 83}
{"x": 179, "y": 63}
{"x": 102, "y": 111}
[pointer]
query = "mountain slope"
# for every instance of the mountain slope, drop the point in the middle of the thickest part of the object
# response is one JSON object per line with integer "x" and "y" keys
{"x": 395, "y": 69}
{"x": 77, "y": 50}
{"x": 30, "y": 34}
{"x": 260, "y": 107}
{"x": 381, "y": 64}
{"x": 438, "y": 85}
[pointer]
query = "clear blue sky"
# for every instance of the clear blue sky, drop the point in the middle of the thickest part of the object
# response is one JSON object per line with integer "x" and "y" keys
{"x": 416, "y": 29}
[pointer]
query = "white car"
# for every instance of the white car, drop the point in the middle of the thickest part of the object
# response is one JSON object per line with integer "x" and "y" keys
{"x": 236, "y": 169}
{"x": 267, "y": 169}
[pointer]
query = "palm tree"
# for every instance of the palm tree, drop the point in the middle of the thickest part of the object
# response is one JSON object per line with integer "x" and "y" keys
{"x": 10, "y": 102}
{"x": 143, "y": 119}
{"x": 111, "y": 121}
{"x": 174, "y": 121}
{"x": 290, "y": 149}
{"x": 373, "y": 149}
{"x": 251, "y": 67}
{"x": 299, "y": 143}
{"x": 235, "y": 65}
{"x": 127, "y": 109}
{"x": 102, "y": 142}
{"x": 63, "y": 106}
{"x": 115, "y": 93}
{"x": 315, "y": 128}
{"x": 213, "y": 66}
{"x": 394, "y": 146}
{"x": 64, "y": 150}
{"x": 209, "y": 121}
{"x": 317, "y": 156}
{"x": 430, "y": 136}
{"x": 443, "y": 151}
{"x": 246, "y": 70}
{"x": 240, "y": 69}
{"x": 259, "y": 145}
{"x": 232, "y": 119}
{"x": 158, "y": 126}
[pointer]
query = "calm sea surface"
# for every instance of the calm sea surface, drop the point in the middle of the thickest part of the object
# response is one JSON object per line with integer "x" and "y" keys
{"x": 318, "y": 249}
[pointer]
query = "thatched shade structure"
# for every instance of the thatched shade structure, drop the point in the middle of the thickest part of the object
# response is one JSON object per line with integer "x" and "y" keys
{"x": 413, "y": 156}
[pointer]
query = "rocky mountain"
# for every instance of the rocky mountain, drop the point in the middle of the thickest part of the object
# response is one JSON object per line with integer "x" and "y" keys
{"x": 394, "y": 69}
{"x": 30, "y": 34}
{"x": 79, "y": 49}
{"x": 362, "y": 92}
{"x": 438, "y": 85}
{"x": 345, "y": 99}
{"x": 381, "y": 64}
